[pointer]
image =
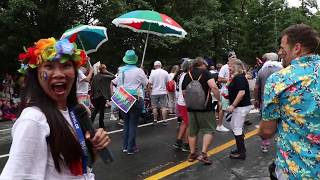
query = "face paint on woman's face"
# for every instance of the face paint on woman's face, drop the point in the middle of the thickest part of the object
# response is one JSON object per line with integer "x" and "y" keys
{"x": 56, "y": 79}
{"x": 44, "y": 75}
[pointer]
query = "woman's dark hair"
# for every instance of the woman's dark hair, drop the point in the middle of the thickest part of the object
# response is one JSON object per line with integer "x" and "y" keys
{"x": 64, "y": 146}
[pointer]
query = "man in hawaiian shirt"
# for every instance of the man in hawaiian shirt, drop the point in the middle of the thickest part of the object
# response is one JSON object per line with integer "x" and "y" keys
{"x": 292, "y": 105}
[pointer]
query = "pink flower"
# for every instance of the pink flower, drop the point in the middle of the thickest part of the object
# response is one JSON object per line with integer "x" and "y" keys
{"x": 284, "y": 154}
{"x": 315, "y": 139}
{"x": 292, "y": 89}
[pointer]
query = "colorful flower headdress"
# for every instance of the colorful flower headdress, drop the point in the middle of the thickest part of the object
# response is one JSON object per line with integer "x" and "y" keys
{"x": 51, "y": 50}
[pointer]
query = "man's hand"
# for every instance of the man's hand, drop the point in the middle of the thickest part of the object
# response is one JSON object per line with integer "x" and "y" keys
{"x": 230, "y": 108}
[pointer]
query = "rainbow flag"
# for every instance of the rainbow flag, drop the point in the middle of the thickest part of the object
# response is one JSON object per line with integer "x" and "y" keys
{"x": 123, "y": 99}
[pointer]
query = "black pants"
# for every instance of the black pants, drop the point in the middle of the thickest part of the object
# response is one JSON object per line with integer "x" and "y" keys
{"x": 99, "y": 107}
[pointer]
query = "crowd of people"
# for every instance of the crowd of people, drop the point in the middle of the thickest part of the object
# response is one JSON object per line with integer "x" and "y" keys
{"x": 204, "y": 98}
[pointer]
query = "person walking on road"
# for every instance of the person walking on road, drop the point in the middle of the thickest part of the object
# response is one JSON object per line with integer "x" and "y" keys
{"x": 84, "y": 78}
{"x": 270, "y": 65}
{"x": 182, "y": 142}
{"x": 199, "y": 82}
{"x": 101, "y": 92}
{"x": 291, "y": 105}
{"x": 158, "y": 80}
{"x": 240, "y": 106}
{"x": 48, "y": 142}
{"x": 134, "y": 80}
{"x": 224, "y": 78}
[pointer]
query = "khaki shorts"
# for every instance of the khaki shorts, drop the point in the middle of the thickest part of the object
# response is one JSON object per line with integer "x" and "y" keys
{"x": 201, "y": 121}
{"x": 159, "y": 101}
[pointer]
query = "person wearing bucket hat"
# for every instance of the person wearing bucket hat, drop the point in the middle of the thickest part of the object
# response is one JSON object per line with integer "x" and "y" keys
{"x": 47, "y": 135}
{"x": 134, "y": 81}
{"x": 130, "y": 57}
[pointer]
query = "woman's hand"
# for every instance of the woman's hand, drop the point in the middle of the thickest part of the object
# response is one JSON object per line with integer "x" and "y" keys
{"x": 230, "y": 108}
{"x": 100, "y": 139}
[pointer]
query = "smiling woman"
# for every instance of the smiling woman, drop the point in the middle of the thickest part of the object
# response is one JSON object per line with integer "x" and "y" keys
{"x": 46, "y": 136}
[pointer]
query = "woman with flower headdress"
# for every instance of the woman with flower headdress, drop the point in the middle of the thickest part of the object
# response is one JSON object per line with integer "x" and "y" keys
{"x": 47, "y": 135}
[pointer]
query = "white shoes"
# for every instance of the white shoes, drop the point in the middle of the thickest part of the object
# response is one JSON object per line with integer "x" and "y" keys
{"x": 112, "y": 117}
{"x": 222, "y": 129}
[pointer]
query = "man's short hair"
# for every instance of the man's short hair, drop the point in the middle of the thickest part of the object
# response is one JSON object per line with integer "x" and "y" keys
{"x": 198, "y": 61}
{"x": 303, "y": 34}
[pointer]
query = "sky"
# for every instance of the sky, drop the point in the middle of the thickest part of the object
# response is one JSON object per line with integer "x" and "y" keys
{"x": 297, "y": 3}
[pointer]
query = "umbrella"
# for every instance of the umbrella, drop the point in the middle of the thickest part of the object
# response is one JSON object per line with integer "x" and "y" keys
{"x": 90, "y": 38}
{"x": 150, "y": 22}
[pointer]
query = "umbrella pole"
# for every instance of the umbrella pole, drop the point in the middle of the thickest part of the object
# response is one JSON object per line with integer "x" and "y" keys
{"x": 144, "y": 51}
{"x": 145, "y": 47}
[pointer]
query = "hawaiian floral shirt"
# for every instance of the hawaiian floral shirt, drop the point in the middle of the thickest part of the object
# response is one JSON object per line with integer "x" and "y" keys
{"x": 292, "y": 96}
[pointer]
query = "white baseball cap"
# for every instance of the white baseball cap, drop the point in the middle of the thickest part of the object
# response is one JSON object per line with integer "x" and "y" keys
{"x": 157, "y": 63}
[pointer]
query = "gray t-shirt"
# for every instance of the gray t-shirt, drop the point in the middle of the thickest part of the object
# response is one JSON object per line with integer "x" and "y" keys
{"x": 263, "y": 74}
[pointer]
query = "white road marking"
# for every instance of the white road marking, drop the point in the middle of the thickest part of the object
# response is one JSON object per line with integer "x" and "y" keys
{"x": 3, "y": 156}
{"x": 5, "y": 129}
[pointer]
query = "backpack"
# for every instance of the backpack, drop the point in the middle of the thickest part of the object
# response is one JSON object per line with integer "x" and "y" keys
{"x": 171, "y": 86}
{"x": 196, "y": 98}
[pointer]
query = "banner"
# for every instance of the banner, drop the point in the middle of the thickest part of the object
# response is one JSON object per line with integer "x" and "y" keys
{"x": 123, "y": 99}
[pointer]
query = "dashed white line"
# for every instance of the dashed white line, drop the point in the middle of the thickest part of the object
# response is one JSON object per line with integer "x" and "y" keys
{"x": 3, "y": 156}
{"x": 5, "y": 129}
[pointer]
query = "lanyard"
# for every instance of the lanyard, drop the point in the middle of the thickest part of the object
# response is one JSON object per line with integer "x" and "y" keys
{"x": 81, "y": 140}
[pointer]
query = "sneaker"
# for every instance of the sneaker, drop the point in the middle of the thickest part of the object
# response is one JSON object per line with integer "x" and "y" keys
{"x": 264, "y": 148}
{"x": 204, "y": 158}
{"x": 155, "y": 122}
{"x": 124, "y": 150}
{"x": 185, "y": 147}
{"x": 178, "y": 144}
{"x": 222, "y": 129}
{"x": 247, "y": 123}
{"x": 134, "y": 151}
{"x": 113, "y": 118}
{"x": 192, "y": 157}
{"x": 120, "y": 122}
{"x": 165, "y": 123}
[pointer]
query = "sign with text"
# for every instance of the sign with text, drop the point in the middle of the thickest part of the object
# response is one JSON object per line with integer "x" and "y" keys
{"x": 123, "y": 99}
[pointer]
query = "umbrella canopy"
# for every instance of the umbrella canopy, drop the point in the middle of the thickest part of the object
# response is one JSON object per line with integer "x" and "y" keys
{"x": 150, "y": 22}
{"x": 89, "y": 38}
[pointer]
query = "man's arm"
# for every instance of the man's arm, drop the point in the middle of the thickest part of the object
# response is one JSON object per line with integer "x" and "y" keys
{"x": 214, "y": 88}
{"x": 89, "y": 76}
{"x": 222, "y": 80}
{"x": 256, "y": 96}
{"x": 267, "y": 129}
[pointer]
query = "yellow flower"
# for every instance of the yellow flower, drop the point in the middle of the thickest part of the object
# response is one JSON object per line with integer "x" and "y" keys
{"x": 299, "y": 118}
{"x": 294, "y": 100}
{"x": 44, "y": 43}
{"x": 306, "y": 80}
{"x": 279, "y": 87}
{"x": 318, "y": 156}
{"x": 285, "y": 126}
{"x": 275, "y": 101}
{"x": 293, "y": 166}
{"x": 289, "y": 110}
{"x": 296, "y": 147}
{"x": 303, "y": 65}
{"x": 285, "y": 71}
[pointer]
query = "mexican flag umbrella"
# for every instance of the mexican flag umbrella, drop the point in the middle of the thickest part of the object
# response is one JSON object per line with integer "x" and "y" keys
{"x": 89, "y": 38}
{"x": 150, "y": 22}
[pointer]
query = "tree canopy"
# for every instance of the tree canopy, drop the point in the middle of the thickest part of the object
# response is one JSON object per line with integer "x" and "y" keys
{"x": 249, "y": 27}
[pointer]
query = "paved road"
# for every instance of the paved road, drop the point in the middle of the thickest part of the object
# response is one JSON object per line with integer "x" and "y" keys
{"x": 157, "y": 159}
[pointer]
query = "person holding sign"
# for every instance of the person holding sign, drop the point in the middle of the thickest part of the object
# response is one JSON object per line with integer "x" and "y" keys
{"x": 130, "y": 82}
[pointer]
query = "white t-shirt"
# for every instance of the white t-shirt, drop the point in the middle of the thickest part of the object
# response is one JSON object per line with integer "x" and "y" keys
{"x": 224, "y": 73}
{"x": 133, "y": 79}
{"x": 82, "y": 86}
{"x": 180, "y": 100}
{"x": 159, "y": 78}
{"x": 171, "y": 75}
{"x": 30, "y": 156}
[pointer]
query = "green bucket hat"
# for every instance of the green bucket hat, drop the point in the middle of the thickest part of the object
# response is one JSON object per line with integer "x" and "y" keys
{"x": 130, "y": 57}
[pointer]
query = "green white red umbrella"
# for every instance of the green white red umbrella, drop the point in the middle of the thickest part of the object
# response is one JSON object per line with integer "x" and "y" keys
{"x": 150, "y": 22}
{"x": 88, "y": 37}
